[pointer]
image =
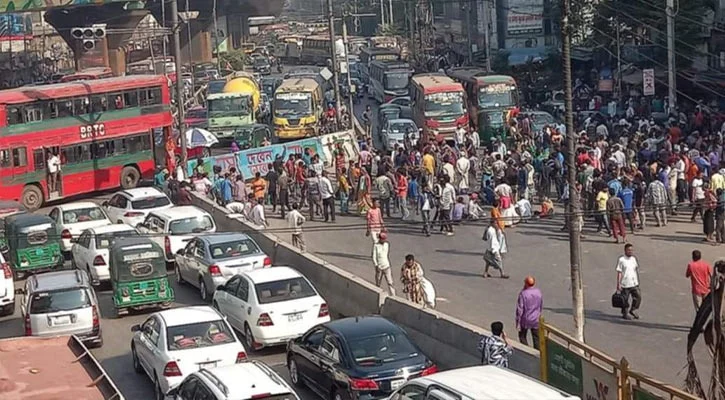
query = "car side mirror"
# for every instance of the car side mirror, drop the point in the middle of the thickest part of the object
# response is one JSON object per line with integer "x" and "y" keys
{"x": 135, "y": 328}
{"x": 104, "y": 204}
{"x": 221, "y": 288}
{"x": 180, "y": 252}
{"x": 140, "y": 225}
{"x": 172, "y": 393}
{"x": 20, "y": 291}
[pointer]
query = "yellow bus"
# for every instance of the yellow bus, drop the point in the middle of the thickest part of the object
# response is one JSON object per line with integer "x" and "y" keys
{"x": 297, "y": 109}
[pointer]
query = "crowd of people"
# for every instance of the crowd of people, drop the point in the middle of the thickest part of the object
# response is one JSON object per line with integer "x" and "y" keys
{"x": 628, "y": 168}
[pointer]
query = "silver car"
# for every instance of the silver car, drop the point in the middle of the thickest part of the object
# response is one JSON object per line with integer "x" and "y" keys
{"x": 209, "y": 261}
{"x": 61, "y": 303}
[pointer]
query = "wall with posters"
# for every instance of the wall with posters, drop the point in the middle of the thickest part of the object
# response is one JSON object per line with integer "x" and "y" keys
{"x": 251, "y": 161}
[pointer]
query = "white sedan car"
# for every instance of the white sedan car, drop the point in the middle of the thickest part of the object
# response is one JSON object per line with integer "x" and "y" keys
{"x": 90, "y": 249}
{"x": 172, "y": 344}
{"x": 131, "y": 206}
{"x": 73, "y": 218}
{"x": 271, "y": 305}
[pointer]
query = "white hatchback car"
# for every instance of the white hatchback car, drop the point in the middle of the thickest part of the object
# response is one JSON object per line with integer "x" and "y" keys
{"x": 173, "y": 227}
{"x": 172, "y": 344}
{"x": 271, "y": 305}
{"x": 7, "y": 289}
{"x": 90, "y": 249}
{"x": 223, "y": 383}
{"x": 73, "y": 218}
{"x": 131, "y": 206}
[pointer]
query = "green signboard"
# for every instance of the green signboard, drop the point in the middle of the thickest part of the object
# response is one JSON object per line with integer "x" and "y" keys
{"x": 564, "y": 368}
{"x": 641, "y": 394}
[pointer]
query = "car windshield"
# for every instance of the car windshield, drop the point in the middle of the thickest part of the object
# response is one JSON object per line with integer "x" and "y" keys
{"x": 229, "y": 107}
{"x": 292, "y": 104}
{"x": 402, "y": 127}
{"x": 284, "y": 290}
{"x": 260, "y": 62}
{"x": 381, "y": 348}
{"x": 202, "y": 223}
{"x": 496, "y": 96}
{"x": 396, "y": 80}
{"x": 59, "y": 300}
{"x": 150, "y": 202}
{"x": 83, "y": 215}
{"x": 449, "y": 104}
{"x": 103, "y": 240}
{"x": 201, "y": 334}
{"x": 237, "y": 248}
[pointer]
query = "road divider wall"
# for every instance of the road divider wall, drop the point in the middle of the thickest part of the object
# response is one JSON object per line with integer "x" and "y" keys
{"x": 450, "y": 342}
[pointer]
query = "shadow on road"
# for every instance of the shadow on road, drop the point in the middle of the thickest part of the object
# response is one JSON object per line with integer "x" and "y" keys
{"x": 616, "y": 318}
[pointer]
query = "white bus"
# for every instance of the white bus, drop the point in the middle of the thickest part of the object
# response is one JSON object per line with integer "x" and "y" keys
{"x": 389, "y": 79}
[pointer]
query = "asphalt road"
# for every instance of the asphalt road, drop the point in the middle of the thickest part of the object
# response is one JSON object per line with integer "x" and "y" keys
{"x": 655, "y": 344}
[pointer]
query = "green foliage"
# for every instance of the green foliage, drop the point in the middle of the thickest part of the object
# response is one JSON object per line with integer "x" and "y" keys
{"x": 235, "y": 58}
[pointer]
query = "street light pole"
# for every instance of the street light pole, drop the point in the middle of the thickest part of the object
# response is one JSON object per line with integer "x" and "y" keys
{"x": 179, "y": 82}
{"x": 573, "y": 211}
{"x": 335, "y": 66}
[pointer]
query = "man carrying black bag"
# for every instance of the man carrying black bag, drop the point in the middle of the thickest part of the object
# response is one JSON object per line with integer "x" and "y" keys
{"x": 628, "y": 283}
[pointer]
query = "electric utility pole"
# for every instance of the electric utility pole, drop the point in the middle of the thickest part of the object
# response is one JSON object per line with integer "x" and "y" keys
{"x": 671, "y": 59}
{"x": 487, "y": 34}
{"x": 350, "y": 110}
{"x": 573, "y": 211}
{"x": 335, "y": 66}
{"x": 175, "y": 28}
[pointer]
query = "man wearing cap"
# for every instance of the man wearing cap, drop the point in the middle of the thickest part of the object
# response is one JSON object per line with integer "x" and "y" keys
{"x": 381, "y": 262}
{"x": 528, "y": 311}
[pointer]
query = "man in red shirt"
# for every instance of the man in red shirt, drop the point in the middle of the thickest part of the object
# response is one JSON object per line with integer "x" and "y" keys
{"x": 699, "y": 273}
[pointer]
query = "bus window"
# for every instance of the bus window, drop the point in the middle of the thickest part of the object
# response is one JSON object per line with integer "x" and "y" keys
{"x": 14, "y": 116}
{"x": 130, "y": 99}
{"x": 19, "y": 157}
{"x": 98, "y": 104}
{"x": 39, "y": 159}
{"x": 64, "y": 108}
{"x": 4, "y": 158}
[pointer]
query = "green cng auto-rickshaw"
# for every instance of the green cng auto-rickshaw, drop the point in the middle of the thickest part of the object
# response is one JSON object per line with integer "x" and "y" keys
{"x": 33, "y": 244}
{"x": 138, "y": 275}
{"x": 491, "y": 124}
{"x": 8, "y": 208}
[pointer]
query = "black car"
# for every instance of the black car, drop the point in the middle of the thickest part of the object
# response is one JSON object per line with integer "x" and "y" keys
{"x": 261, "y": 65}
{"x": 357, "y": 358}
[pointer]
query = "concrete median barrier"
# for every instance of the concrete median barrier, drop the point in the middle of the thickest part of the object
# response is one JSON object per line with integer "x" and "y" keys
{"x": 450, "y": 342}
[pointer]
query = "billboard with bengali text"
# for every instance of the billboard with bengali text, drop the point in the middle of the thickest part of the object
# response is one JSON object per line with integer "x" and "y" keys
{"x": 525, "y": 17}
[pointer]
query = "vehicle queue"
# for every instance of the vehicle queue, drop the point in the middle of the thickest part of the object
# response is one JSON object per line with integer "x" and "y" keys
{"x": 203, "y": 352}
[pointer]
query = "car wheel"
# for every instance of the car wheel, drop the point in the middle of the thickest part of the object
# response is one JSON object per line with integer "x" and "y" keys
{"x": 294, "y": 374}
{"x": 160, "y": 395}
{"x": 249, "y": 338}
{"x": 202, "y": 290}
{"x": 179, "y": 278}
{"x": 338, "y": 394}
{"x": 136, "y": 363}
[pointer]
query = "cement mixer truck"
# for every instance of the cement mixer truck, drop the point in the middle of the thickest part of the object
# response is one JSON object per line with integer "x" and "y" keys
{"x": 236, "y": 106}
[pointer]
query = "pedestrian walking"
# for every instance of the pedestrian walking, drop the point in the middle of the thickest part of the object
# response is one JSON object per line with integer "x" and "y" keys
{"x": 284, "y": 184}
{"x": 314, "y": 194}
{"x": 448, "y": 199}
{"x": 295, "y": 219}
{"x": 272, "y": 179}
{"x": 381, "y": 262}
{"x": 343, "y": 191}
{"x": 495, "y": 349}
{"x": 411, "y": 274}
{"x": 628, "y": 282}
{"x": 386, "y": 191}
{"x": 528, "y": 311}
{"x": 615, "y": 209}
{"x": 425, "y": 204}
{"x": 495, "y": 246}
{"x": 699, "y": 272}
{"x": 375, "y": 223}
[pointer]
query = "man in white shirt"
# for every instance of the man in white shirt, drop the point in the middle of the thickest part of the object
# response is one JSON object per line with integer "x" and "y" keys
{"x": 628, "y": 282}
{"x": 381, "y": 262}
{"x": 328, "y": 200}
{"x": 494, "y": 247}
{"x": 448, "y": 199}
{"x": 235, "y": 209}
{"x": 295, "y": 219}
{"x": 256, "y": 216}
{"x": 698, "y": 195}
{"x": 53, "y": 170}
{"x": 460, "y": 136}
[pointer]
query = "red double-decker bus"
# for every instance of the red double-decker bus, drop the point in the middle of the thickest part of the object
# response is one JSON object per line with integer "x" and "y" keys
{"x": 439, "y": 105}
{"x": 99, "y": 132}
